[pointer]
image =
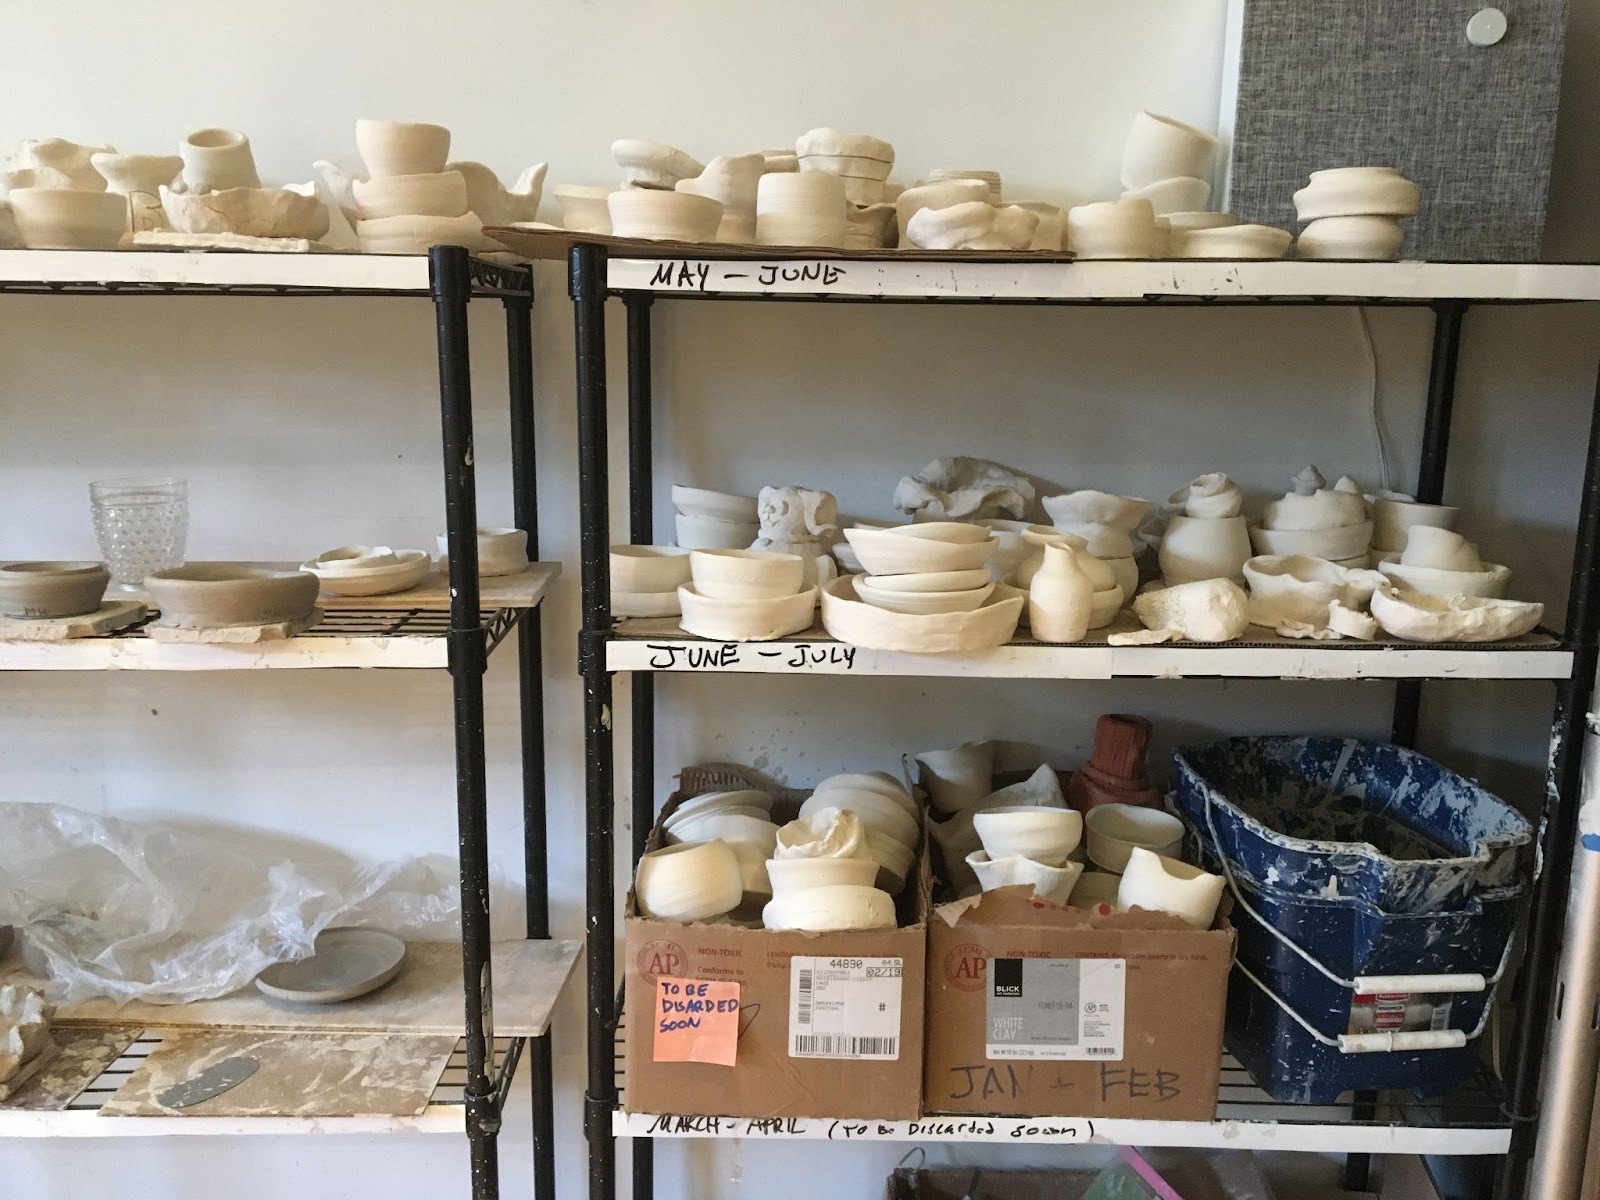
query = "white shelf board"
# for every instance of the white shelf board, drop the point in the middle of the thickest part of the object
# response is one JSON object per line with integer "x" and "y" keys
{"x": 165, "y": 268}
{"x": 1193, "y": 279}
{"x": 659, "y": 645}
{"x": 1331, "y": 1136}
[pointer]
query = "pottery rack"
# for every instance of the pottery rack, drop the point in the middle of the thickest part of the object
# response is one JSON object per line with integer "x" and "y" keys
{"x": 452, "y": 627}
{"x": 1475, "y": 1123}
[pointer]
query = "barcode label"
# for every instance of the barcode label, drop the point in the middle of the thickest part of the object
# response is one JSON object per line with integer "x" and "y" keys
{"x": 844, "y": 1007}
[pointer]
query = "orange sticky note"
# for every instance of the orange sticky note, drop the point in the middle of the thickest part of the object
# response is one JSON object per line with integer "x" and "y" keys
{"x": 697, "y": 1020}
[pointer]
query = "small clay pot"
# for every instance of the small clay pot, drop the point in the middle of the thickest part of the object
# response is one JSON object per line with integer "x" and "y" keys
{"x": 42, "y": 590}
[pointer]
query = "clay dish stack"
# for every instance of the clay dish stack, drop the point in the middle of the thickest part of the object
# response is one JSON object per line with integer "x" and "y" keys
{"x": 745, "y": 595}
{"x": 1355, "y": 212}
{"x": 58, "y": 199}
{"x": 860, "y": 161}
{"x": 410, "y": 201}
{"x": 708, "y": 520}
{"x": 1168, "y": 163}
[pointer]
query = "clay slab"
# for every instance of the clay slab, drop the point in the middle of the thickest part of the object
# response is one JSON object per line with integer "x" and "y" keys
{"x": 109, "y": 617}
{"x": 276, "y": 631}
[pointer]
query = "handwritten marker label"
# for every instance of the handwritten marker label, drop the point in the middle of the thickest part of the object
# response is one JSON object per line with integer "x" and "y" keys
{"x": 790, "y": 275}
{"x": 697, "y": 1020}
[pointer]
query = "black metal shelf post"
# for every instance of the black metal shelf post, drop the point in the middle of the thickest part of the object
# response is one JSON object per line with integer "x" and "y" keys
{"x": 589, "y": 291}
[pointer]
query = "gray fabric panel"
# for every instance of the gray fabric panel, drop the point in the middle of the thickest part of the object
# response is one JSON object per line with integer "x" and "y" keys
{"x": 1332, "y": 83}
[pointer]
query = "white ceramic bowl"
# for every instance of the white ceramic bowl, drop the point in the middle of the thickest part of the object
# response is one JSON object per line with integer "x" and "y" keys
{"x": 959, "y": 533}
{"x": 43, "y": 590}
{"x": 877, "y": 781}
{"x": 408, "y": 568}
{"x": 928, "y": 581}
{"x": 649, "y": 569}
{"x": 727, "y": 824}
{"x": 1161, "y": 147}
{"x": 1492, "y": 582}
{"x": 922, "y": 603}
{"x": 745, "y": 620}
{"x": 1391, "y": 519}
{"x": 1112, "y": 229}
{"x": 500, "y": 552}
{"x": 829, "y": 833}
{"x": 889, "y": 552}
{"x": 1357, "y": 192}
{"x": 663, "y": 216}
{"x": 688, "y": 882}
{"x": 57, "y": 219}
{"x": 1232, "y": 241}
{"x": 879, "y": 813}
{"x": 790, "y": 875}
{"x": 1046, "y": 835}
{"x": 743, "y": 798}
{"x": 1160, "y": 883}
{"x": 211, "y": 595}
{"x": 443, "y": 194}
{"x": 1183, "y": 193}
{"x": 895, "y": 860}
{"x": 1114, "y": 830}
{"x": 1369, "y": 239}
{"x": 390, "y": 148}
{"x": 848, "y": 619}
{"x": 1095, "y": 888}
{"x": 1048, "y": 883}
{"x": 825, "y": 909}
{"x": 710, "y": 533}
{"x": 723, "y": 506}
{"x": 746, "y": 574}
{"x": 583, "y": 209}
{"x": 417, "y": 235}
{"x": 1345, "y": 542}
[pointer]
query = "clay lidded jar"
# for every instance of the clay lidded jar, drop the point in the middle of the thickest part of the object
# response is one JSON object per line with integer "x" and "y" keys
{"x": 1114, "y": 773}
{"x": 1060, "y": 597}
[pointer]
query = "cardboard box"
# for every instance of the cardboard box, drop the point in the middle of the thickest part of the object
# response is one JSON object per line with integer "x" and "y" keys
{"x": 766, "y": 1080}
{"x": 1137, "y": 999}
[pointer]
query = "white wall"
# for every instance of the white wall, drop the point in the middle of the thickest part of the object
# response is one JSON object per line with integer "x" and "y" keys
{"x": 303, "y": 425}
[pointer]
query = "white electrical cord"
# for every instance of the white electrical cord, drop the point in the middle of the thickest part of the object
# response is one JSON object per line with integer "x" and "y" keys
{"x": 1365, "y": 331}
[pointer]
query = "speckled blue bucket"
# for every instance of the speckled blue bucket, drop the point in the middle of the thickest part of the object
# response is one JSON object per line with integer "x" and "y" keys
{"x": 1343, "y": 818}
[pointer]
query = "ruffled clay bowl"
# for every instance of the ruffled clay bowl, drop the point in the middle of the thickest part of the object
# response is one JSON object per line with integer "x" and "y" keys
{"x": 406, "y": 569}
{"x": 663, "y": 216}
{"x": 1089, "y": 507}
{"x": 443, "y": 194}
{"x": 924, "y": 603}
{"x": 55, "y": 219}
{"x": 879, "y": 813}
{"x": 891, "y": 552}
{"x": 1049, "y": 883}
{"x": 1490, "y": 583}
{"x": 790, "y": 875}
{"x": 1418, "y": 618}
{"x": 1114, "y": 830}
{"x": 688, "y": 882}
{"x": 1299, "y": 588}
{"x": 745, "y": 574}
{"x": 848, "y": 619}
{"x": 287, "y": 212}
{"x": 1357, "y": 192}
{"x": 1045, "y": 834}
{"x": 1338, "y": 545}
{"x": 824, "y": 909}
{"x": 214, "y": 595}
{"x": 926, "y": 581}
{"x": 35, "y": 590}
{"x": 745, "y": 620}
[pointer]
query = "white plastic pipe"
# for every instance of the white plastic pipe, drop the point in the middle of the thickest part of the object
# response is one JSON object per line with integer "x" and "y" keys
{"x": 1383, "y": 1043}
{"x": 1385, "y": 984}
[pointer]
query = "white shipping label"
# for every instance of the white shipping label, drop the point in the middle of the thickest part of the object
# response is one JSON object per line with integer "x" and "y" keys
{"x": 1056, "y": 1008}
{"x": 844, "y": 1007}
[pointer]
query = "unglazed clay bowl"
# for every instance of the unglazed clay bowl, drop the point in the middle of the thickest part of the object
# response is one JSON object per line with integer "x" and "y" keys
{"x": 1337, "y": 545}
{"x": 215, "y": 595}
{"x": 879, "y": 813}
{"x": 56, "y": 219}
{"x": 1233, "y": 241}
{"x": 648, "y": 569}
{"x": 890, "y": 552}
{"x": 849, "y": 619}
{"x": 1161, "y": 147}
{"x": 728, "y": 825}
{"x": 393, "y": 148}
{"x": 583, "y": 209}
{"x": 663, "y": 216}
{"x": 925, "y": 603}
{"x": 927, "y": 581}
{"x": 36, "y": 590}
{"x": 1048, "y": 882}
{"x": 1357, "y": 192}
{"x": 720, "y": 506}
{"x": 895, "y": 859}
{"x": 344, "y": 964}
{"x": 1044, "y": 834}
{"x": 1112, "y": 229}
{"x": 1491, "y": 583}
{"x": 876, "y": 781}
{"x": 959, "y": 533}
{"x": 1115, "y": 830}
{"x": 713, "y": 801}
{"x": 745, "y": 620}
{"x": 746, "y": 574}
{"x": 709, "y": 533}
{"x": 825, "y": 909}
{"x": 790, "y": 875}
{"x": 339, "y": 577}
{"x": 688, "y": 882}
{"x": 441, "y": 194}
{"x": 1160, "y": 883}
{"x": 500, "y": 552}
{"x": 1369, "y": 239}
{"x": 417, "y": 235}
{"x": 1184, "y": 193}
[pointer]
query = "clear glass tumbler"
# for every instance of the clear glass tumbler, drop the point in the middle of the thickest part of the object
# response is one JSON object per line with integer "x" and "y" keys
{"x": 141, "y": 525}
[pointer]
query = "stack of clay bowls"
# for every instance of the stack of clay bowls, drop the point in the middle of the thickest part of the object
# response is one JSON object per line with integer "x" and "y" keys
{"x": 1167, "y": 163}
{"x": 1028, "y": 844}
{"x": 33, "y": 591}
{"x": 731, "y": 180}
{"x": 990, "y": 179}
{"x": 217, "y": 595}
{"x": 1354, "y": 212}
{"x": 890, "y": 818}
{"x": 369, "y": 570}
{"x": 741, "y": 820}
{"x": 1439, "y": 562}
{"x": 648, "y": 204}
{"x": 745, "y": 595}
{"x": 926, "y": 590}
{"x": 409, "y": 201}
{"x": 1206, "y": 537}
{"x": 801, "y": 208}
{"x": 500, "y": 552}
{"x": 1317, "y": 520}
{"x": 1106, "y": 523}
{"x": 960, "y": 786}
{"x": 1393, "y": 516}
{"x": 58, "y": 199}
{"x": 707, "y": 520}
{"x": 645, "y": 580}
{"x": 860, "y": 161}
{"x": 825, "y": 877}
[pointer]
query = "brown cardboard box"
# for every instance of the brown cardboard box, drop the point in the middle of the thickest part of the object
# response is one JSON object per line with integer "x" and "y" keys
{"x": 1173, "y": 986}
{"x": 764, "y": 1080}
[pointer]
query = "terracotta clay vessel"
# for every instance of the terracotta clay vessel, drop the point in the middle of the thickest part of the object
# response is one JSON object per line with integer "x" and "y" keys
{"x": 1114, "y": 773}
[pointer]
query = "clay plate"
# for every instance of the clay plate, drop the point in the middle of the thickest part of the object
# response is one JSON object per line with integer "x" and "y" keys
{"x": 347, "y": 963}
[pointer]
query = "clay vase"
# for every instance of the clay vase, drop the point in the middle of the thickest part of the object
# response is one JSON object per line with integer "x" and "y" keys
{"x": 1060, "y": 597}
{"x": 1114, "y": 773}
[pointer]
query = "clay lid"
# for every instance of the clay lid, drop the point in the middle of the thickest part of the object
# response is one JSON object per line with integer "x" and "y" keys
{"x": 1120, "y": 742}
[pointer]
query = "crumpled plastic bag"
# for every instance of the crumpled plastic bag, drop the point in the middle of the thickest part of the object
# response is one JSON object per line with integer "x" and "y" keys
{"x": 164, "y": 914}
